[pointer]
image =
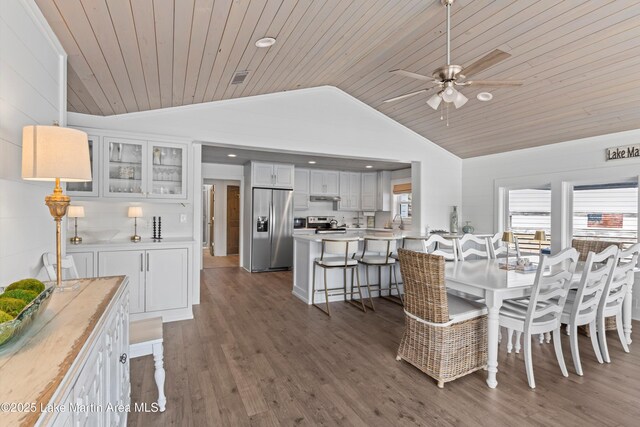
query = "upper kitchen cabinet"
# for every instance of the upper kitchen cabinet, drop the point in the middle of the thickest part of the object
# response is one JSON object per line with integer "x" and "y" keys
{"x": 301, "y": 189}
{"x": 88, "y": 189}
{"x": 144, "y": 169}
{"x": 324, "y": 183}
{"x": 167, "y": 178}
{"x": 350, "y": 191}
{"x": 272, "y": 175}
{"x": 384, "y": 191}
{"x": 369, "y": 191}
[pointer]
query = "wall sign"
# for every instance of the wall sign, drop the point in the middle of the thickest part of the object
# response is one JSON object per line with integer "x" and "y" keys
{"x": 604, "y": 220}
{"x": 626, "y": 152}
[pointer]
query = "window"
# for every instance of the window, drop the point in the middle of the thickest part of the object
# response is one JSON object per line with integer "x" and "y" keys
{"x": 606, "y": 212}
{"x": 402, "y": 201}
{"x": 529, "y": 210}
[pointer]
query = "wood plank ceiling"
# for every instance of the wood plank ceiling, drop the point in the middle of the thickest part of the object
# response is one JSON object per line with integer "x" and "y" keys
{"x": 134, "y": 55}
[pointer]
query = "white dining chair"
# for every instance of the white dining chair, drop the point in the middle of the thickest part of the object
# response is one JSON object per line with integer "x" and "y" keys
{"x": 469, "y": 245}
{"x": 544, "y": 308}
{"x": 582, "y": 304}
{"x": 69, "y": 270}
{"x": 438, "y": 245}
{"x": 498, "y": 249}
{"x": 613, "y": 297}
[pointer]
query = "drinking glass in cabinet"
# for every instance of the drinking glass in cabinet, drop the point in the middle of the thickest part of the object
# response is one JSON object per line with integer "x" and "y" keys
{"x": 125, "y": 167}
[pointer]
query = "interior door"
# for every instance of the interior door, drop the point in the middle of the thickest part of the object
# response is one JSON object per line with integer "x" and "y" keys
{"x": 233, "y": 219}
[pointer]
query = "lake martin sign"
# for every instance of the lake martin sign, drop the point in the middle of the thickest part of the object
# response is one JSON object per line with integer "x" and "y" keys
{"x": 626, "y": 152}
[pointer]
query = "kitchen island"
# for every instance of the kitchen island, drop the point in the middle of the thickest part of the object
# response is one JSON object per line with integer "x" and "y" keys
{"x": 308, "y": 247}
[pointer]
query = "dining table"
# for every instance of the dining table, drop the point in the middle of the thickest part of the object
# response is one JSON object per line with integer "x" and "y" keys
{"x": 485, "y": 280}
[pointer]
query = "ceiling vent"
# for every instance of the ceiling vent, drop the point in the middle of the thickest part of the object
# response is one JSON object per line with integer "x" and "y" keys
{"x": 238, "y": 77}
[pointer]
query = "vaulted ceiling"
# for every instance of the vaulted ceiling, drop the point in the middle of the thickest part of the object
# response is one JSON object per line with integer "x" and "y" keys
{"x": 579, "y": 59}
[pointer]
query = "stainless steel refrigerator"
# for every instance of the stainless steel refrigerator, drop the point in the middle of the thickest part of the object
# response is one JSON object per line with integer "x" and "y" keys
{"x": 272, "y": 229}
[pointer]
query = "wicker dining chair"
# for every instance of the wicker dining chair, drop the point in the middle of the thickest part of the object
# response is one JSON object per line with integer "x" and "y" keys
{"x": 445, "y": 336}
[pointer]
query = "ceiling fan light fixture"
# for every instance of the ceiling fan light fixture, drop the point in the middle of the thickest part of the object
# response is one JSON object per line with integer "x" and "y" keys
{"x": 484, "y": 96}
{"x": 460, "y": 100}
{"x": 435, "y": 100}
{"x": 449, "y": 94}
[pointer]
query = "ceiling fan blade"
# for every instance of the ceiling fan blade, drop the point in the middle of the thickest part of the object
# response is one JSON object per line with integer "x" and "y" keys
{"x": 406, "y": 95}
{"x": 489, "y": 60}
{"x": 495, "y": 83}
{"x": 405, "y": 73}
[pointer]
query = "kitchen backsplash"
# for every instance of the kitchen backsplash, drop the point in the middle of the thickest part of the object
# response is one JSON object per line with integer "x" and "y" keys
{"x": 105, "y": 219}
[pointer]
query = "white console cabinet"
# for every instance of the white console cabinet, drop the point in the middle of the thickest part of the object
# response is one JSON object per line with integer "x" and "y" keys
{"x": 75, "y": 356}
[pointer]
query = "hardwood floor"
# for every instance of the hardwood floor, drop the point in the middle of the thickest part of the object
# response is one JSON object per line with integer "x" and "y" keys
{"x": 255, "y": 355}
{"x": 209, "y": 261}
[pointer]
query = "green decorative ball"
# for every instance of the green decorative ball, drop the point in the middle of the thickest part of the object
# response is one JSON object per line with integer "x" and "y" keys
{"x": 23, "y": 294}
{"x": 4, "y": 317}
{"x": 27, "y": 284}
{"x": 11, "y": 306}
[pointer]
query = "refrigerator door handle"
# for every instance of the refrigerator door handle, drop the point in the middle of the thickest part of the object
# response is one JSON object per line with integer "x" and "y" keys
{"x": 272, "y": 228}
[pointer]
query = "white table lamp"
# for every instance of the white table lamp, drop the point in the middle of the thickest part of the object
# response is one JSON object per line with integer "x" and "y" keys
{"x": 54, "y": 153}
{"x": 75, "y": 212}
{"x": 135, "y": 212}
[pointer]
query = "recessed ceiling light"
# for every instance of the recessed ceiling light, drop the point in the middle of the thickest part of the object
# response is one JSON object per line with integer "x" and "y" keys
{"x": 231, "y": 155}
{"x": 265, "y": 42}
{"x": 368, "y": 166}
{"x": 484, "y": 96}
{"x": 312, "y": 162}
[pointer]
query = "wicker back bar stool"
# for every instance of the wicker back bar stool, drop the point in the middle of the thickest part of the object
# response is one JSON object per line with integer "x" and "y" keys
{"x": 377, "y": 252}
{"x": 338, "y": 254}
{"x": 445, "y": 336}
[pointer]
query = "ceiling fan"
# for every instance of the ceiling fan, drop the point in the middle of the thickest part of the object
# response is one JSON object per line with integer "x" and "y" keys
{"x": 447, "y": 77}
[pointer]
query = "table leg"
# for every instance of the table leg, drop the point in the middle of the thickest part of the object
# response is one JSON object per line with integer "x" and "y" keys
{"x": 626, "y": 313}
{"x": 493, "y": 328}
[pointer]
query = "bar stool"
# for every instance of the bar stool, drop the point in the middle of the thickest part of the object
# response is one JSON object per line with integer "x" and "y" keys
{"x": 377, "y": 253}
{"x": 341, "y": 256}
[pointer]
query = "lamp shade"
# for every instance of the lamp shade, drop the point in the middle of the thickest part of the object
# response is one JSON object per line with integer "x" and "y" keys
{"x": 507, "y": 237}
{"x": 75, "y": 211}
{"x": 135, "y": 212}
{"x": 540, "y": 236}
{"x": 50, "y": 152}
{"x": 434, "y": 101}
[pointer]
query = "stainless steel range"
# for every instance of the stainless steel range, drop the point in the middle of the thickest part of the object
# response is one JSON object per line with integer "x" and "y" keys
{"x": 324, "y": 224}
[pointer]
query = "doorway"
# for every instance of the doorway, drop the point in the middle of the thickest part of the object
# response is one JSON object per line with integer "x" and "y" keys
{"x": 233, "y": 219}
{"x": 222, "y": 215}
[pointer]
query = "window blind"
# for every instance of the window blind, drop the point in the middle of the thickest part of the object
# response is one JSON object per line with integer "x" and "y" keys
{"x": 402, "y": 188}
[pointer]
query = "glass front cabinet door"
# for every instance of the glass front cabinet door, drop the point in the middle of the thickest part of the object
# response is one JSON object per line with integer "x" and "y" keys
{"x": 125, "y": 172}
{"x": 167, "y": 179}
{"x": 90, "y": 188}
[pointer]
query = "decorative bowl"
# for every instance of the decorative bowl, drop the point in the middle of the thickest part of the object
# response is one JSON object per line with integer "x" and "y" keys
{"x": 15, "y": 327}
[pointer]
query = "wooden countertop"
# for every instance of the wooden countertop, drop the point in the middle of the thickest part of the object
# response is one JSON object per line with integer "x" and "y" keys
{"x": 33, "y": 366}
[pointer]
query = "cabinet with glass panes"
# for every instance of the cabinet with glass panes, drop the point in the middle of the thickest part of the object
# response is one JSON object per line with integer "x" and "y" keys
{"x": 136, "y": 169}
{"x": 89, "y": 188}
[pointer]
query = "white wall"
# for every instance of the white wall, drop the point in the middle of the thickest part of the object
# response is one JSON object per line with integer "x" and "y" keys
{"x": 32, "y": 91}
{"x": 318, "y": 121}
{"x": 578, "y": 161}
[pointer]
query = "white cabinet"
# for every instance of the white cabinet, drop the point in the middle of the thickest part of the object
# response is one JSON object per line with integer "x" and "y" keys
{"x": 301, "y": 189}
{"x": 324, "y": 183}
{"x": 369, "y": 191}
{"x": 89, "y": 189}
{"x": 350, "y": 191}
{"x": 84, "y": 263}
{"x": 158, "y": 278}
{"x": 272, "y": 175}
{"x": 384, "y": 198}
{"x": 144, "y": 169}
{"x": 102, "y": 377}
{"x": 166, "y": 279}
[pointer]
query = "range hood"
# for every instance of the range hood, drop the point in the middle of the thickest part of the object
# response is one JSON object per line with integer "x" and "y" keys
{"x": 324, "y": 198}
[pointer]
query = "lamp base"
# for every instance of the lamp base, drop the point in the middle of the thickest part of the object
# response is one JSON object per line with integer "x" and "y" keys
{"x": 136, "y": 238}
{"x": 75, "y": 240}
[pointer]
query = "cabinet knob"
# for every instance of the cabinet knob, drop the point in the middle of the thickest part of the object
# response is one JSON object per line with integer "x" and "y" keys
{"x": 123, "y": 358}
